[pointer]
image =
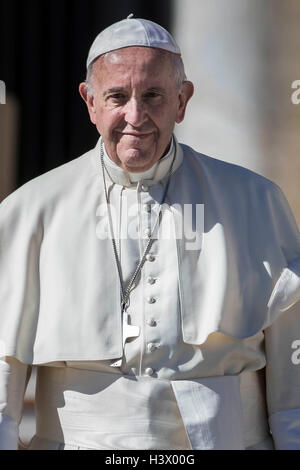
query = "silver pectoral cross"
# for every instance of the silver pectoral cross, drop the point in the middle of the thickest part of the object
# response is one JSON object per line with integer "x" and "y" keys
{"x": 129, "y": 331}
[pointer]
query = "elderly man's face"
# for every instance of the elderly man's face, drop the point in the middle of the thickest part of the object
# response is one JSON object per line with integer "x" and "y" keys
{"x": 135, "y": 105}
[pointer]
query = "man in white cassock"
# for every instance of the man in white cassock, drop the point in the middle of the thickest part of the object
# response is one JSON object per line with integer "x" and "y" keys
{"x": 156, "y": 289}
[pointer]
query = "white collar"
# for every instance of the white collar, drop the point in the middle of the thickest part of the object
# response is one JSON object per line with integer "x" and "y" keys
{"x": 158, "y": 171}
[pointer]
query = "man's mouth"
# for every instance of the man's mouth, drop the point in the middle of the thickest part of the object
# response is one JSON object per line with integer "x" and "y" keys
{"x": 137, "y": 135}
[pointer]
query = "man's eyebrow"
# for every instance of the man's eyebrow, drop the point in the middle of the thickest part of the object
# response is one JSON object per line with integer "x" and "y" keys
{"x": 113, "y": 90}
{"x": 156, "y": 88}
{"x": 120, "y": 89}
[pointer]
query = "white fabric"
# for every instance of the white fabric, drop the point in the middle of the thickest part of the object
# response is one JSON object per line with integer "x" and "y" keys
{"x": 212, "y": 312}
{"x": 132, "y": 32}
{"x": 282, "y": 376}
{"x": 267, "y": 444}
{"x": 212, "y": 413}
{"x": 14, "y": 377}
{"x": 287, "y": 289}
{"x": 285, "y": 427}
{"x": 107, "y": 411}
{"x": 9, "y": 433}
{"x": 218, "y": 281}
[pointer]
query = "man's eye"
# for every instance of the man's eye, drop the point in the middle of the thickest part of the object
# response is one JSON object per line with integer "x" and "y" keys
{"x": 152, "y": 94}
{"x": 117, "y": 97}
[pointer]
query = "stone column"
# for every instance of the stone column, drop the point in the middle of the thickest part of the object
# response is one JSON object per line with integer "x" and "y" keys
{"x": 243, "y": 56}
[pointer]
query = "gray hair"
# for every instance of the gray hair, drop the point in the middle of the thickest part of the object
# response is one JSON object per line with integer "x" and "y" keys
{"x": 180, "y": 75}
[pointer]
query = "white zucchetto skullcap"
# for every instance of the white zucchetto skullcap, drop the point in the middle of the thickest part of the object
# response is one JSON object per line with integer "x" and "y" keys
{"x": 132, "y": 32}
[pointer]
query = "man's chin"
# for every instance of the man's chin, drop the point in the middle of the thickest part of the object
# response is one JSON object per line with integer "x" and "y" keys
{"x": 135, "y": 161}
{"x": 137, "y": 165}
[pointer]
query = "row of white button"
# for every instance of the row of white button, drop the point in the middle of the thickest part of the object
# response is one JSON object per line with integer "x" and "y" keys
{"x": 152, "y": 347}
{"x": 151, "y": 321}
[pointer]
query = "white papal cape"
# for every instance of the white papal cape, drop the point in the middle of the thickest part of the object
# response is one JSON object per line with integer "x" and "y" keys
{"x": 59, "y": 289}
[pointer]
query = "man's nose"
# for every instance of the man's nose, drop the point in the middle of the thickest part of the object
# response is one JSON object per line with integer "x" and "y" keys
{"x": 135, "y": 113}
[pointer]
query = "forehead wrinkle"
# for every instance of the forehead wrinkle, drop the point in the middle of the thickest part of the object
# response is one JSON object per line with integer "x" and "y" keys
{"x": 141, "y": 57}
{"x": 121, "y": 68}
{"x": 134, "y": 51}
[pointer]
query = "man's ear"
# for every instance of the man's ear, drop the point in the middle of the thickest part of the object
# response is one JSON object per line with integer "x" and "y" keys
{"x": 89, "y": 101}
{"x": 185, "y": 95}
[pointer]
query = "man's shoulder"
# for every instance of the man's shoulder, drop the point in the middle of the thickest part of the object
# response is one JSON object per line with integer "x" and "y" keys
{"x": 52, "y": 183}
{"x": 226, "y": 172}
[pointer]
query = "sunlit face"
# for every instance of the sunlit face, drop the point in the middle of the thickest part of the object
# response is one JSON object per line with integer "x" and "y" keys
{"x": 135, "y": 105}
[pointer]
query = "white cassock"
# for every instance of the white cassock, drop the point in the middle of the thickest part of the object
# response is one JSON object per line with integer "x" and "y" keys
{"x": 215, "y": 364}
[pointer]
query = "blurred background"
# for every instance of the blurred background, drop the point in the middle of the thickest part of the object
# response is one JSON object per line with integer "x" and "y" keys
{"x": 242, "y": 55}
